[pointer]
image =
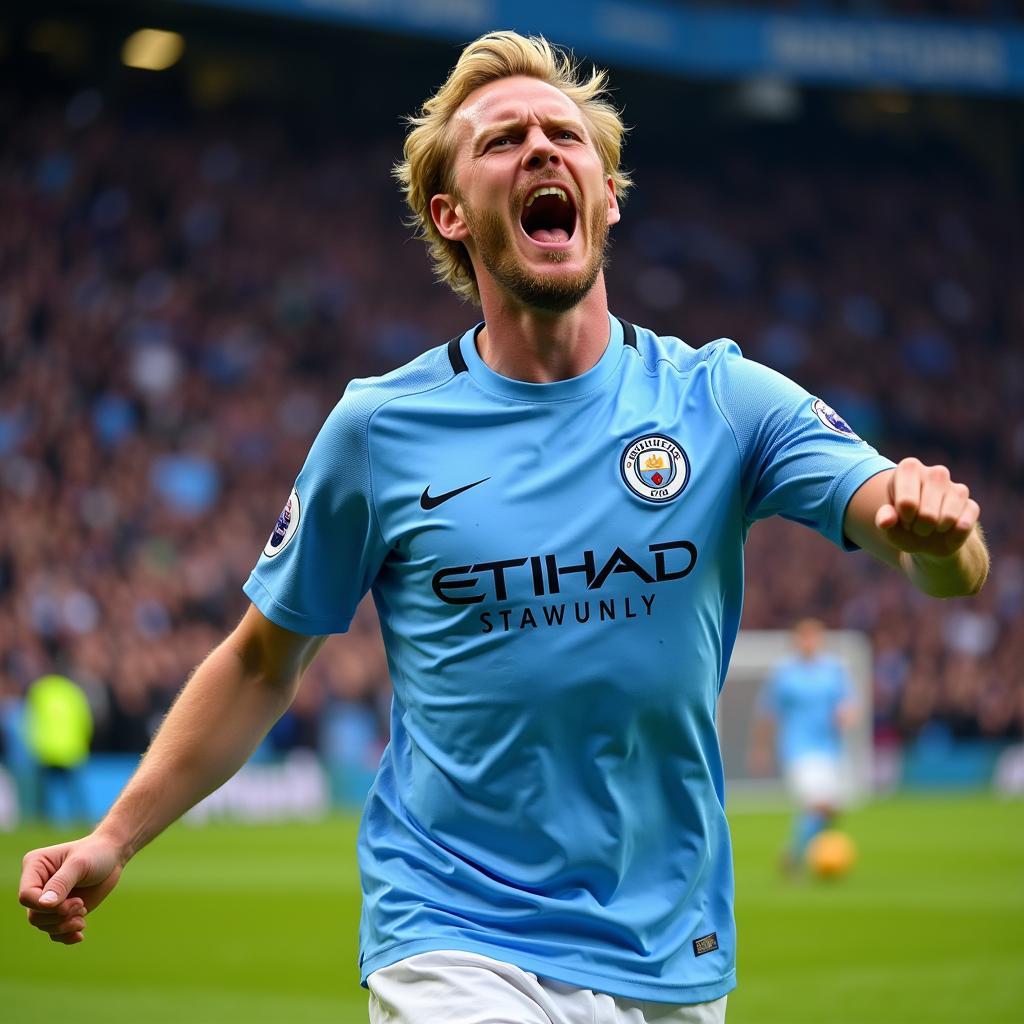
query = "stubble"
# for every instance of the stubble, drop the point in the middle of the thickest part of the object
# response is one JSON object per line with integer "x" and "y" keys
{"x": 550, "y": 293}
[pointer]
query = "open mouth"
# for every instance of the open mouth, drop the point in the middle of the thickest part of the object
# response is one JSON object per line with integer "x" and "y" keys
{"x": 549, "y": 215}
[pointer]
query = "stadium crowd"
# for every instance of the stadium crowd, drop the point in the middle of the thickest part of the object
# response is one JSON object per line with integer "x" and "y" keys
{"x": 183, "y": 301}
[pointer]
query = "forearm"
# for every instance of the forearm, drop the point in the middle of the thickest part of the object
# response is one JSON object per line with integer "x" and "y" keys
{"x": 957, "y": 575}
{"x": 216, "y": 723}
{"x": 759, "y": 759}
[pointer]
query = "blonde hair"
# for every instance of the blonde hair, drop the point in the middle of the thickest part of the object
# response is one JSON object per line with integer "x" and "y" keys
{"x": 426, "y": 170}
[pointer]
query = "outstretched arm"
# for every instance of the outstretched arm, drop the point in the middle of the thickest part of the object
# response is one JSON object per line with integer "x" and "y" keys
{"x": 919, "y": 520}
{"x": 218, "y": 720}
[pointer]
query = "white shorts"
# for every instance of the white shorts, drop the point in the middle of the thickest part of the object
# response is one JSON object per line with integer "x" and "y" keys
{"x": 815, "y": 780}
{"x": 451, "y": 987}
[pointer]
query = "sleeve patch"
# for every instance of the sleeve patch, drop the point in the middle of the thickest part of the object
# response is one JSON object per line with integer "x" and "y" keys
{"x": 831, "y": 419}
{"x": 287, "y": 524}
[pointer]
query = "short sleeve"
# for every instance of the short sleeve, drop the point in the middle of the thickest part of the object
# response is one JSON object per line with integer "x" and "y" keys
{"x": 326, "y": 547}
{"x": 799, "y": 458}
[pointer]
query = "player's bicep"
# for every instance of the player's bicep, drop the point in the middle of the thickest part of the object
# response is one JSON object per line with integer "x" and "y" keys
{"x": 271, "y": 652}
{"x": 799, "y": 458}
{"x": 861, "y": 512}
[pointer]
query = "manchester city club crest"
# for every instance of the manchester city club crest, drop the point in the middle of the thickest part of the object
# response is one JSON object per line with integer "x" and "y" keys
{"x": 831, "y": 419}
{"x": 284, "y": 530}
{"x": 655, "y": 468}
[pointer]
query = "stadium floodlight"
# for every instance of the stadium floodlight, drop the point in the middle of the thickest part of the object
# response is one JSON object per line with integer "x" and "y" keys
{"x": 772, "y": 99}
{"x": 152, "y": 49}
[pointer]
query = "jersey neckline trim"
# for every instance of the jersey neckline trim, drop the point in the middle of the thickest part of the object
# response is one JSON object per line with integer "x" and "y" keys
{"x": 628, "y": 333}
{"x": 463, "y": 354}
{"x": 455, "y": 356}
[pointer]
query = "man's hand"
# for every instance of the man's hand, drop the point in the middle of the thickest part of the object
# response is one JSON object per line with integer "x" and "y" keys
{"x": 60, "y": 884}
{"x": 759, "y": 756}
{"x": 927, "y": 512}
{"x": 233, "y": 698}
{"x": 918, "y": 519}
{"x": 759, "y": 761}
{"x": 847, "y": 715}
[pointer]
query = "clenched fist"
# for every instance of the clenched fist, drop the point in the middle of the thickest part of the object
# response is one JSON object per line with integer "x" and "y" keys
{"x": 927, "y": 512}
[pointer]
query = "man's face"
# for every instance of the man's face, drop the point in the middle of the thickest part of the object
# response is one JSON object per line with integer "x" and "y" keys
{"x": 532, "y": 203}
{"x": 810, "y": 635}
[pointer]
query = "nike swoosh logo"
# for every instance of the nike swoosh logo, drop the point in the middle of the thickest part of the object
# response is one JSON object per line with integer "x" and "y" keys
{"x": 428, "y": 501}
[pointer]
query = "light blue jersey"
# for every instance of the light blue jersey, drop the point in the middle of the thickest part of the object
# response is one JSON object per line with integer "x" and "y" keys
{"x": 803, "y": 695}
{"x": 558, "y": 570}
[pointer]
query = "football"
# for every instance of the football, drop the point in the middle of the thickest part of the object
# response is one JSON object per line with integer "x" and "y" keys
{"x": 831, "y": 854}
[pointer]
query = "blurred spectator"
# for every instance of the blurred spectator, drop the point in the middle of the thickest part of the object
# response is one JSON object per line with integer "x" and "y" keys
{"x": 17, "y": 767}
{"x": 58, "y": 726}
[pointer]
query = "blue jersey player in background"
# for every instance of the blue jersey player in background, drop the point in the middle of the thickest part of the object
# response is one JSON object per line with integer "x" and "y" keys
{"x": 549, "y": 511}
{"x": 809, "y": 703}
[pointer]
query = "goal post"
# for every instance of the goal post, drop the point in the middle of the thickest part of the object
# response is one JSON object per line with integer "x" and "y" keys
{"x": 755, "y": 656}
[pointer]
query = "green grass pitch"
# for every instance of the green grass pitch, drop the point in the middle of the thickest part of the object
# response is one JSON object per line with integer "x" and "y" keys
{"x": 228, "y": 924}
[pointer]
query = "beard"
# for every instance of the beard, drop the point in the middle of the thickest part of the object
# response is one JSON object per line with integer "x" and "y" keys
{"x": 550, "y": 293}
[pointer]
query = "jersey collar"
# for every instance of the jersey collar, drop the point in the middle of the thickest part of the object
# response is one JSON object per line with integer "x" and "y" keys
{"x": 557, "y": 391}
